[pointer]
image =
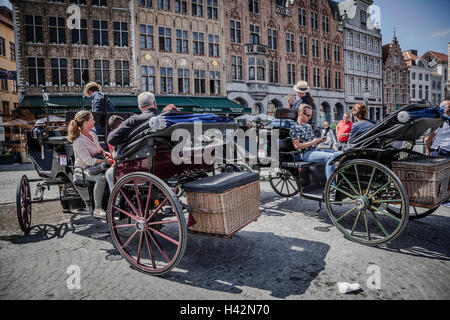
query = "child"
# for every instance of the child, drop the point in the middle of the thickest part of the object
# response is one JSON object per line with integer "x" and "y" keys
{"x": 114, "y": 122}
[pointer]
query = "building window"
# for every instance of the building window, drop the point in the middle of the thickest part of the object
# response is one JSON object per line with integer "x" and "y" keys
{"x": 36, "y": 71}
{"x": 183, "y": 81}
{"x": 326, "y": 51}
{"x": 363, "y": 18}
{"x": 146, "y": 3}
{"x": 372, "y": 88}
{"x": 254, "y": 34}
{"x": 214, "y": 82}
{"x": 121, "y": 34}
{"x": 80, "y": 71}
{"x": 363, "y": 42}
{"x": 2, "y": 47}
{"x": 315, "y": 48}
{"x": 122, "y": 68}
{"x": 212, "y": 9}
{"x": 59, "y": 71}
{"x": 273, "y": 71}
{"x": 357, "y": 62}
{"x": 370, "y": 45}
{"x": 257, "y": 69}
{"x": 235, "y": 31}
{"x": 148, "y": 78}
{"x": 182, "y": 41}
{"x": 166, "y": 80}
{"x": 302, "y": 17}
{"x": 396, "y": 96}
{"x": 377, "y": 66}
{"x": 80, "y": 2}
{"x": 99, "y": 3}
{"x": 304, "y": 73}
{"x": 197, "y": 8}
{"x": 396, "y": 77}
{"x": 378, "y": 89}
{"x": 236, "y": 67}
{"x": 316, "y": 77}
{"x": 438, "y": 85}
{"x": 199, "y": 81}
{"x": 303, "y": 45}
{"x": 388, "y": 95}
{"x": 356, "y": 37}
{"x": 272, "y": 39}
{"x": 364, "y": 64}
{"x": 420, "y": 92}
{"x": 199, "y": 43}
{"x": 314, "y": 21}
{"x": 12, "y": 50}
{"x": 413, "y": 76}
{"x": 79, "y": 36}
{"x": 351, "y": 86}
{"x": 349, "y": 38}
{"x": 327, "y": 76}
{"x": 405, "y": 98}
{"x": 290, "y": 42}
{"x": 57, "y": 27}
{"x": 359, "y": 87}
{"x": 426, "y": 93}
{"x": 371, "y": 65}
{"x": 325, "y": 24}
{"x": 426, "y": 77}
{"x": 420, "y": 77}
{"x": 291, "y": 73}
{"x": 337, "y": 53}
{"x": 350, "y": 60}
{"x": 253, "y": 6}
{"x": 165, "y": 39}
{"x": 181, "y": 6}
{"x": 146, "y": 37}
{"x": 413, "y": 91}
{"x": 3, "y": 83}
{"x": 100, "y": 32}
{"x": 164, "y": 5}
{"x": 337, "y": 80}
{"x": 251, "y": 69}
{"x": 101, "y": 69}
{"x": 404, "y": 79}
{"x": 213, "y": 45}
{"x": 33, "y": 27}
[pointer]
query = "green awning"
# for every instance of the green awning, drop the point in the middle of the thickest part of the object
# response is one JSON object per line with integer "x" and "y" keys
{"x": 61, "y": 105}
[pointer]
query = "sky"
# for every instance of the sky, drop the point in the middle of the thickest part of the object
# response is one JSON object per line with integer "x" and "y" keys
{"x": 419, "y": 24}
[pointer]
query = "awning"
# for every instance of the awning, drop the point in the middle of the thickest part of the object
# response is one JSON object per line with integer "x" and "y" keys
{"x": 61, "y": 105}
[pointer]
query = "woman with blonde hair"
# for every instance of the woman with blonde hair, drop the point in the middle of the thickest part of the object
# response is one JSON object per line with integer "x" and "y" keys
{"x": 362, "y": 124}
{"x": 86, "y": 148}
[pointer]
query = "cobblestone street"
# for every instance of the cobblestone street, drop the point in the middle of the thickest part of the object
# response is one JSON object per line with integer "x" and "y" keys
{"x": 289, "y": 253}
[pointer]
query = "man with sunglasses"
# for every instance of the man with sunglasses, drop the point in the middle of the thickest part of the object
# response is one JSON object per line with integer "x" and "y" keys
{"x": 305, "y": 142}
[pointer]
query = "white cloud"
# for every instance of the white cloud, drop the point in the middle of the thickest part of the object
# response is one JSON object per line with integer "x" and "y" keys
{"x": 441, "y": 34}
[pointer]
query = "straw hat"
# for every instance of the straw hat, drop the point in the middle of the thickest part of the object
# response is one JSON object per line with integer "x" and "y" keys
{"x": 90, "y": 85}
{"x": 301, "y": 86}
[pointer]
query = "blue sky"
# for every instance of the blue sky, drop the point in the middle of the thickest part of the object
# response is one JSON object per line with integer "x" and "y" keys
{"x": 420, "y": 24}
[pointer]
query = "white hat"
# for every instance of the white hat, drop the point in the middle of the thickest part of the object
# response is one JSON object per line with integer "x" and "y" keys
{"x": 301, "y": 86}
{"x": 90, "y": 85}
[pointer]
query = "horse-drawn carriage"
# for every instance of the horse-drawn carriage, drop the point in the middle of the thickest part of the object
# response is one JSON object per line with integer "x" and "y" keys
{"x": 148, "y": 220}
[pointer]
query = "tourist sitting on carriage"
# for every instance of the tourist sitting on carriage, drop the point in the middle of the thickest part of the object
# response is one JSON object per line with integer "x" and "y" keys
{"x": 86, "y": 147}
{"x": 438, "y": 142}
{"x": 362, "y": 124}
{"x": 304, "y": 141}
{"x": 147, "y": 105}
{"x": 114, "y": 122}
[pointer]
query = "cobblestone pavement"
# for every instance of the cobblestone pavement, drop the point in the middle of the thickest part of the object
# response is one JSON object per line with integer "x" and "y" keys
{"x": 289, "y": 253}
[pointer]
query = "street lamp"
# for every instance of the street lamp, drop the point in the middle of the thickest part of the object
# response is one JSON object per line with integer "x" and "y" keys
{"x": 366, "y": 97}
{"x": 46, "y": 99}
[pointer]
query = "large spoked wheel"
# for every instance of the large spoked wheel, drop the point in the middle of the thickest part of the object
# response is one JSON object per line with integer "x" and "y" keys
{"x": 415, "y": 213}
{"x": 283, "y": 183}
{"x": 357, "y": 200}
{"x": 23, "y": 204}
{"x": 147, "y": 223}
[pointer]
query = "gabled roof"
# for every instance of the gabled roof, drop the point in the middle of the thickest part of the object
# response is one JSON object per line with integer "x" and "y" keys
{"x": 437, "y": 55}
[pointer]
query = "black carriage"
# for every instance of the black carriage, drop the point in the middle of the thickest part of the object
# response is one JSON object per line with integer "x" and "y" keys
{"x": 365, "y": 199}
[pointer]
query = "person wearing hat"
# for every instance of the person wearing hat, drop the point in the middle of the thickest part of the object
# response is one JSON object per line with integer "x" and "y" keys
{"x": 303, "y": 96}
{"x": 93, "y": 90}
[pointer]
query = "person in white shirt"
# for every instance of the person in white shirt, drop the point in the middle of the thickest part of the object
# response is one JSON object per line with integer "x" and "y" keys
{"x": 438, "y": 143}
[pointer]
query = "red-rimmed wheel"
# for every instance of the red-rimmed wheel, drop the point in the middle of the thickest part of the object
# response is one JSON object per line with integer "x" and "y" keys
{"x": 147, "y": 223}
{"x": 23, "y": 204}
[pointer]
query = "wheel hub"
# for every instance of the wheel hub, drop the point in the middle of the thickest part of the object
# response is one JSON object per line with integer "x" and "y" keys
{"x": 141, "y": 225}
{"x": 362, "y": 202}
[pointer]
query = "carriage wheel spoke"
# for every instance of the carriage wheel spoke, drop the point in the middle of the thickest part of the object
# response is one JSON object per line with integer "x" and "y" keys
{"x": 387, "y": 201}
{"x": 129, "y": 240}
{"x": 130, "y": 203}
{"x": 158, "y": 208}
{"x": 282, "y": 186}
{"x": 379, "y": 223}
{"x": 165, "y": 236}
{"x": 162, "y": 222}
{"x": 281, "y": 180}
{"x": 354, "y": 224}
{"x": 293, "y": 186}
{"x": 386, "y": 214}
{"x": 342, "y": 202}
{"x": 341, "y": 217}
{"x": 349, "y": 183}
{"x": 342, "y": 191}
{"x": 381, "y": 189}
{"x": 141, "y": 243}
{"x": 124, "y": 226}
{"x": 150, "y": 250}
{"x": 370, "y": 181}
{"x": 138, "y": 198}
{"x": 164, "y": 254}
{"x": 149, "y": 197}
{"x": 126, "y": 212}
{"x": 367, "y": 225}
{"x": 357, "y": 177}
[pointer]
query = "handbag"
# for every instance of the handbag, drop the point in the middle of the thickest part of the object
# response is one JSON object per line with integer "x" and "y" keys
{"x": 98, "y": 168}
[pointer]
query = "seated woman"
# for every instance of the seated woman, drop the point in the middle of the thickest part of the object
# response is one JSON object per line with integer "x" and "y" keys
{"x": 362, "y": 124}
{"x": 86, "y": 148}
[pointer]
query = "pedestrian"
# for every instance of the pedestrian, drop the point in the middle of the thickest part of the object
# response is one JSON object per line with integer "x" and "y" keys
{"x": 327, "y": 132}
{"x": 362, "y": 124}
{"x": 147, "y": 106}
{"x": 304, "y": 141}
{"x": 86, "y": 150}
{"x": 343, "y": 130}
{"x": 114, "y": 122}
{"x": 302, "y": 96}
{"x": 98, "y": 102}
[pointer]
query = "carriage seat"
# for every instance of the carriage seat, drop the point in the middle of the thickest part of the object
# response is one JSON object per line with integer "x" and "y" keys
{"x": 221, "y": 183}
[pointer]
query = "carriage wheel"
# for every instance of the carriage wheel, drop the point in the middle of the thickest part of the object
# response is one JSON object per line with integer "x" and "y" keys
{"x": 415, "y": 213}
{"x": 356, "y": 203}
{"x": 284, "y": 183}
{"x": 23, "y": 204}
{"x": 147, "y": 223}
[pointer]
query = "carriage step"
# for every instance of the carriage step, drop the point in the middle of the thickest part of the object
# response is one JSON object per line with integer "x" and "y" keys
{"x": 313, "y": 194}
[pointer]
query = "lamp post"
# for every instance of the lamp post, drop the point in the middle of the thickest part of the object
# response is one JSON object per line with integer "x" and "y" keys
{"x": 366, "y": 97}
{"x": 46, "y": 99}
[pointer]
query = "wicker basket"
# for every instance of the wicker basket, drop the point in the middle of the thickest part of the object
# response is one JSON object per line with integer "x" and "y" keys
{"x": 426, "y": 180}
{"x": 227, "y": 212}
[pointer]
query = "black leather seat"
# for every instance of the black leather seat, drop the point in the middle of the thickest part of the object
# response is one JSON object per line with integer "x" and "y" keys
{"x": 221, "y": 183}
